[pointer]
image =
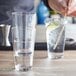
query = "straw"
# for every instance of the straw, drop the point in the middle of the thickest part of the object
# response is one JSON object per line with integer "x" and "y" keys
{"x": 59, "y": 37}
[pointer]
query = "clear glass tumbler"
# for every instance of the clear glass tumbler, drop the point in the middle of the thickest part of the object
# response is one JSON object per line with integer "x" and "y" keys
{"x": 55, "y": 34}
{"x": 23, "y": 36}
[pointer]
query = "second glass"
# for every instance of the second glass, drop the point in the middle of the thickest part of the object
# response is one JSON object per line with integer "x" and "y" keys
{"x": 55, "y": 34}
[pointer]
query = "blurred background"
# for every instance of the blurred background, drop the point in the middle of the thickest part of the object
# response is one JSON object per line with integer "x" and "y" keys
{"x": 43, "y": 11}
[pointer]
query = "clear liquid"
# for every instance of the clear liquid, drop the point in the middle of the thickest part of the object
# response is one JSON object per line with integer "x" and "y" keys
{"x": 55, "y": 55}
{"x": 23, "y": 61}
{"x": 55, "y": 42}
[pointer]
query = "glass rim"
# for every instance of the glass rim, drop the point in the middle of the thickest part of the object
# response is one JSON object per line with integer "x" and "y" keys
{"x": 22, "y": 12}
{"x": 61, "y": 20}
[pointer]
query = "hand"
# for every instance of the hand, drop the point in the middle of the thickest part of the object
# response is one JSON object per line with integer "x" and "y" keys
{"x": 64, "y": 7}
{"x": 58, "y": 5}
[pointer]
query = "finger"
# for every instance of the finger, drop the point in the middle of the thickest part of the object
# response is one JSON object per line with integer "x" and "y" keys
{"x": 63, "y": 2}
{"x": 73, "y": 14}
{"x": 72, "y": 6}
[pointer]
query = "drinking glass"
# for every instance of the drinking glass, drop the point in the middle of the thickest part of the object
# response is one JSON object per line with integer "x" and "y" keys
{"x": 23, "y": 36}
{"x": 55, "y": 34}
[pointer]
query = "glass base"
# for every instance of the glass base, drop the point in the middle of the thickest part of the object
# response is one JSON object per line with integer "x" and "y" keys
{"x": 55, "y": 55}
{"x": 22, "y": 68}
